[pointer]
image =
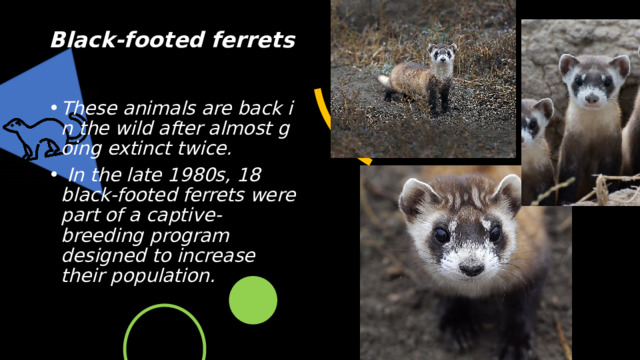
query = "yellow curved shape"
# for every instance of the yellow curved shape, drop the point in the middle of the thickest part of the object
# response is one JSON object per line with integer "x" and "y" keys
{"x": 323, "y": 107}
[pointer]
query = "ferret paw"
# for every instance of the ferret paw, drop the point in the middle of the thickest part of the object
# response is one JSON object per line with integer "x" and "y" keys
{"x": 50, "y": 153}
{"x": 457, "y": 332}
{"x": 512, "y": 348}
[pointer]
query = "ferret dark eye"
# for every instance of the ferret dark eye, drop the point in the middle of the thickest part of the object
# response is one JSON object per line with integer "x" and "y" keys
{"x": 495, "y": 233}
{"x": 533, "y": 124}
{"x": 607, "y": 81}
{"x": 578, "y": 80}
{"x": 441, "y": 236}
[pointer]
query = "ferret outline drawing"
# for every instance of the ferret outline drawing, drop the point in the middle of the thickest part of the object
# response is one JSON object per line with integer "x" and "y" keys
{"x": 52, "y": 132}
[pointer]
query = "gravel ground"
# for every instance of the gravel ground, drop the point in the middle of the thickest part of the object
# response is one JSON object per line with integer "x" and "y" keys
{"x": 481, "y": 123}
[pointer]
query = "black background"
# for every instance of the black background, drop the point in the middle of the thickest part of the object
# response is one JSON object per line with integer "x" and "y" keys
{"x": 307, "y": 249}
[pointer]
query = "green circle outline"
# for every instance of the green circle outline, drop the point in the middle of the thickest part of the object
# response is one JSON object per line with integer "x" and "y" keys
{"x": 157, "y": 306}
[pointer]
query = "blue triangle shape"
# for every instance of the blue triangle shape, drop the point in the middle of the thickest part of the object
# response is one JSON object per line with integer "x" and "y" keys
{"x": 36, "y": 97}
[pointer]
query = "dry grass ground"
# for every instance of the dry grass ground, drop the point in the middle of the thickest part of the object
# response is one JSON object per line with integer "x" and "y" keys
{"x": 369, "y": 37}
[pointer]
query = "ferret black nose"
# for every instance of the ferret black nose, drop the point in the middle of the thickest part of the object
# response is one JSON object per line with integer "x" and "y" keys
{"x": 443, "y": 60}
{"x": 591, "y": 98}
{"x": 473, "y": 270}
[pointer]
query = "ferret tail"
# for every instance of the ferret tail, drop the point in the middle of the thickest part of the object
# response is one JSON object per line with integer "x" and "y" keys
{"x": 384, "y": 80}
{"x": 82, "y": 134}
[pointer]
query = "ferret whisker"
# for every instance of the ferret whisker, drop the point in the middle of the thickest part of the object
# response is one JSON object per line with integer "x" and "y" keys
{"x": 514, "y": 274}
{"x": 502, "y": 282}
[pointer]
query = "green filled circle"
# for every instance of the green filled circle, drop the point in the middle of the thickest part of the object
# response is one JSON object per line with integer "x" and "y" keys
{"x": 253, "y": 300}
{"x": 170, "y": 306}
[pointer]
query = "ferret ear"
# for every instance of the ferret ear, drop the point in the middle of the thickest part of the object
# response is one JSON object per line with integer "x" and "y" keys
{"x": 567, "y": 62}
{"x": 454, "y": 48}
{"x": 622, "y": 64}
{"x": 546, "y": 107}
{"x": 414, "y": 194}
{"x": 430, "y": 48}
{"x": 509, "y": 192}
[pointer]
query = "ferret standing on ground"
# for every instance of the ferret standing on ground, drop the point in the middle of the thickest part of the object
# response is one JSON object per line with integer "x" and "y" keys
{"x": 417, "y": 80}
{"x": 470, "y": 245}
{"x": 537, "y": 168}
{"x": 593, "y": 136}
{"x": 631, "y": 140}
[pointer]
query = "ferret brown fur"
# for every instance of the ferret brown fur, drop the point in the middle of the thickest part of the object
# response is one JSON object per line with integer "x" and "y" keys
{"x": 631, "y": 140}
{"x": 417, "y": 80}
{"x": 537, "y": 169}
{"x": 473, "y": 241}
{"x": 593, "y": 135}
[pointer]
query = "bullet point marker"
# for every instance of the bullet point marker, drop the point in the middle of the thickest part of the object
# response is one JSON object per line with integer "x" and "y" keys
{"x": 54, "y": 107}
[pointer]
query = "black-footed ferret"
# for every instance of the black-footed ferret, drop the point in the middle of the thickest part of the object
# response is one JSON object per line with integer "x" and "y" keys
{"x": 537, "y": 168}
{"x": 631, "y": 140}
{"x": 417, "y": 80}
{"x": 471, "y": 246}
{"x": 593, "y": 135}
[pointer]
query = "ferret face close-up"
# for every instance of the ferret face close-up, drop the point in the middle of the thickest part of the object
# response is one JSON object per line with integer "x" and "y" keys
{"x": 535, "y": 117}
{"x": 593, "y": 81}
{"x": 442, "y": 53}
{"x": 463, "y": 229}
